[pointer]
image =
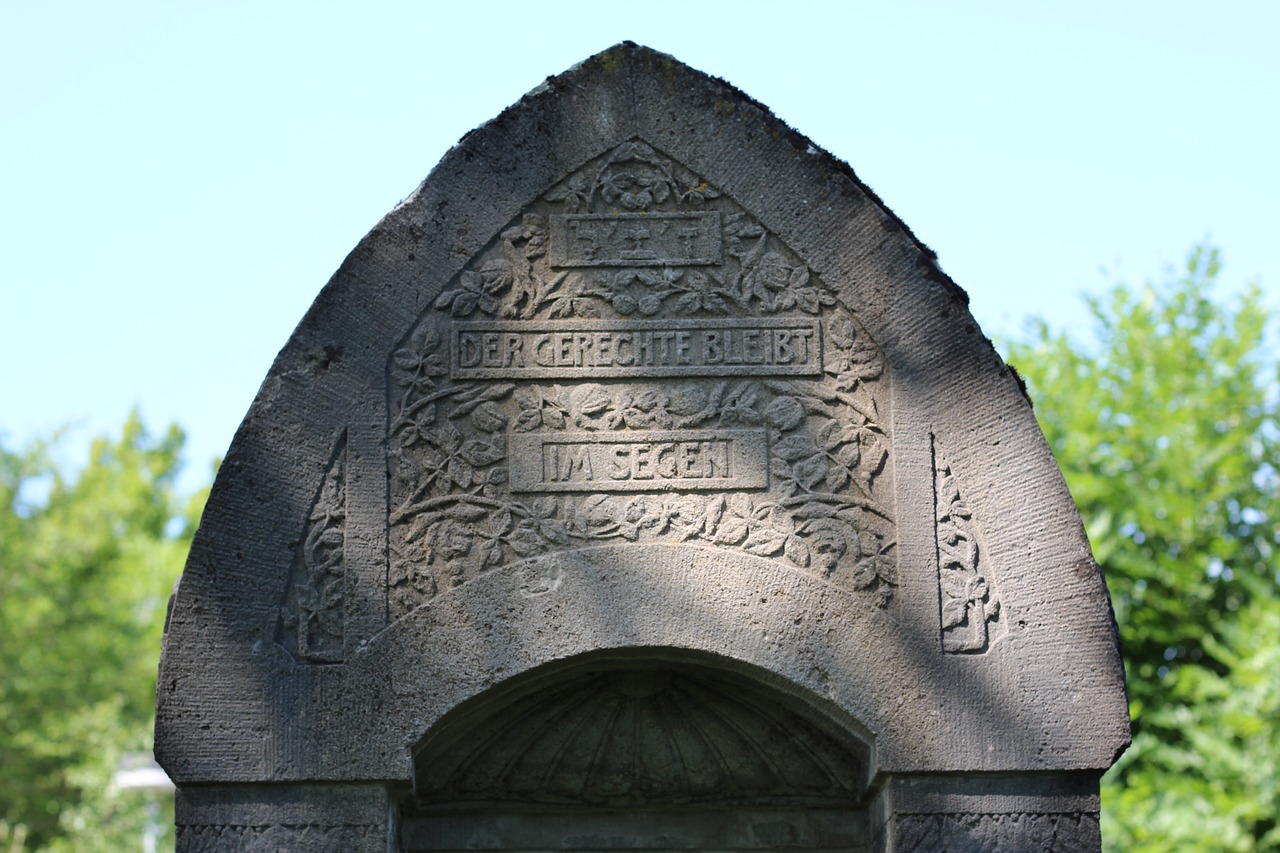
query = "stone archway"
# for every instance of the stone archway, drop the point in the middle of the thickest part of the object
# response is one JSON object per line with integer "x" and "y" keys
{"x": 638, "y": 750}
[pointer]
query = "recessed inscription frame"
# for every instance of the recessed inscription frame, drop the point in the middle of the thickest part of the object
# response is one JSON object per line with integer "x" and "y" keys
{"x": 635, "y": 239}
{"x": 741, "y": 357}
{"x": 650, "y": 349}
{"x": 639, "y": 461}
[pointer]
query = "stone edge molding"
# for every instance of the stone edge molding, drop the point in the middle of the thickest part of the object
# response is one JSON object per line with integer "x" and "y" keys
{"x": 272, "y": 708}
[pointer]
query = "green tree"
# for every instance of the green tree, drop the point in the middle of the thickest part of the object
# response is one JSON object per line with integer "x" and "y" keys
{"x": 1164, "y": 420}
{"x": 87, "y": 561}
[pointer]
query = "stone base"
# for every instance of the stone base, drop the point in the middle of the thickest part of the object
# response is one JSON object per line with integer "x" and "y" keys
{"x": 989, "y": 814}
{"x": 283, "y": 819}
{"x": 1055, "y": 813}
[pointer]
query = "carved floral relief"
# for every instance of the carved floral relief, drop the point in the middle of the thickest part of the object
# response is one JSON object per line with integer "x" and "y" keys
{"x": 313, "y": 617}
{"x": 636, "y": 359}
{"x": 968, "y": 601}
{"x": 1076, "y": 832}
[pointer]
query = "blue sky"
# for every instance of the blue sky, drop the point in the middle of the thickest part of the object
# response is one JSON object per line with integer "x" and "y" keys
{"x": 179, "y": 180}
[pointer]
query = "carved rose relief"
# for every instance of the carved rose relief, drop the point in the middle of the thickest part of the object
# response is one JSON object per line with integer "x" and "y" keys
{"x": 636, "y": 359}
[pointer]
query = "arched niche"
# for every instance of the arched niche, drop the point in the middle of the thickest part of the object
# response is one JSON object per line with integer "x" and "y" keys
{"x": 642, "y": 748}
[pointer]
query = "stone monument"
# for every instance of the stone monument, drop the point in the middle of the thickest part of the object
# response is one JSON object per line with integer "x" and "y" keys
{"x": 639, "y": 483}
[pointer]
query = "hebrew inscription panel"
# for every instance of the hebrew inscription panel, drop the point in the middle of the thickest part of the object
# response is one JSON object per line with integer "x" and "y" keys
{"x": 636, "y": 359}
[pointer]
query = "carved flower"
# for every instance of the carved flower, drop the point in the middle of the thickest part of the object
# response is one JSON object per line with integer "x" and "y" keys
{"x": 773, "y": 271}
{"x": 532, "y": 233}
{"x": 634, "y": 185}
{"x": 449, "y": 540}
{"x": 635, "y": 516}
{"x": 829, "y": 540}
{"x": 737, "y": 227}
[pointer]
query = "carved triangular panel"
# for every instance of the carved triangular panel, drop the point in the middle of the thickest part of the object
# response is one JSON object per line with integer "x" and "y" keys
{"x": 635, "y": 359}
{"x": 969, "y": 605}
{"x": 313, "y": 615}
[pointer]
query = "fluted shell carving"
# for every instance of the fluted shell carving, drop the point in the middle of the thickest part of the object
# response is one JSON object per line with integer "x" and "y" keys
{"x": 643, "y": 737}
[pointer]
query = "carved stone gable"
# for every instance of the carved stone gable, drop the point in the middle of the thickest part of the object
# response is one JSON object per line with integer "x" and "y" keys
{"x": 640, "y": 482}
{"x": 635, "y": 358}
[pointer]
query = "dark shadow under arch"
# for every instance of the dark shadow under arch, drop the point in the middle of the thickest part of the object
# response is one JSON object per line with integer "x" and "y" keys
{"x": 643, "y": 748}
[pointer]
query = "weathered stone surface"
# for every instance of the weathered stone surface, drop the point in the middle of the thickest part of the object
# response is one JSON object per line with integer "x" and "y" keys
{"x": 273, "y": 818}
{"x": 645, "y": 442}
{"x": 1055, "y": 813}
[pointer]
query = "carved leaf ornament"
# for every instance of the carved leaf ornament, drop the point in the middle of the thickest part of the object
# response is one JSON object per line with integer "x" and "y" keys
{"x": 312, "y": 622}
{"x": 968, "y": 603}
{"x": 636, "y": 359}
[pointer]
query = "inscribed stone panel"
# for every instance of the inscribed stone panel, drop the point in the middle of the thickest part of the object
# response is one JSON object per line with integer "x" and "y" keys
{"x": 635, "y": 358}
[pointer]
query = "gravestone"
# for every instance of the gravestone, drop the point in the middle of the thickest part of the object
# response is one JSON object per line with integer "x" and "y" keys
{"x": 640, "y": 482}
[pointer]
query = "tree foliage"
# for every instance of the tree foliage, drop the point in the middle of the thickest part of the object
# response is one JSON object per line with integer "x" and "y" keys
{"x": 87, "y": 561}
{"x": 1164, "y": 421}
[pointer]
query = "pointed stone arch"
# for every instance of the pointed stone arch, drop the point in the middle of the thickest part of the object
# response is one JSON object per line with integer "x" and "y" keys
{"x": 808, "y": 481}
